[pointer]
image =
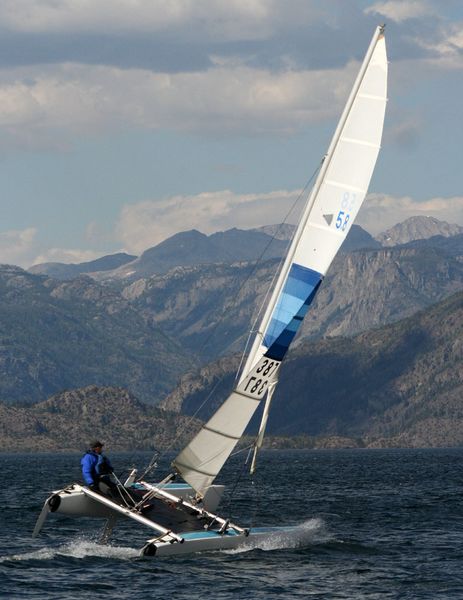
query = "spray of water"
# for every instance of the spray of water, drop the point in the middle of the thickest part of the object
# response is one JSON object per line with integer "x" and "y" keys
{"x": 76, "y": 549}
{"x": 305, "y": 534}
{"x": 308, "y": 533}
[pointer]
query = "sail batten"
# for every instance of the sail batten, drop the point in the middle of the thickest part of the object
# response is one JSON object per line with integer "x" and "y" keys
{"x": 331, "y": 208}
{"x": 361, "y": 142}
{"x": 346, "y": 186}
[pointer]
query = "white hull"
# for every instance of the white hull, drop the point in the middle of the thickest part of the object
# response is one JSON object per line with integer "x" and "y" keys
{"x": 75, "y": 503}
{"x": 166, "y": 510}
{"x": 209, "y": 541}
{"x": 171, "y": 538}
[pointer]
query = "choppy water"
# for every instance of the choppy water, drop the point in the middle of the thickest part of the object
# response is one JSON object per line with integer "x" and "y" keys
{"x": 373, "y": 524}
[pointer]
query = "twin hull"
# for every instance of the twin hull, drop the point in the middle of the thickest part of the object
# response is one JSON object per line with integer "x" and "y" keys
{"x": 75, "y": 502}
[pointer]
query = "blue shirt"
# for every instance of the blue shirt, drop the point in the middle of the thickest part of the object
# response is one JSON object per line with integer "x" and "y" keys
{"x": 91, "y": 464}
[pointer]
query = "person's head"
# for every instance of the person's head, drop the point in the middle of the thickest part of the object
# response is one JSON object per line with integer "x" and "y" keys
{"x": 96, "y": 446}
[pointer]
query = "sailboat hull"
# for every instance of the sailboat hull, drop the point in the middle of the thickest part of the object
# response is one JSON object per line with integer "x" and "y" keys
{"x": 213, "y": 541}
{"x": 78, "y": 501}
{"x": 72, "y": 501}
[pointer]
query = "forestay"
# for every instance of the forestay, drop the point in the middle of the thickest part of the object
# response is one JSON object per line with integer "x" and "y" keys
{"x": 332, "y": 206}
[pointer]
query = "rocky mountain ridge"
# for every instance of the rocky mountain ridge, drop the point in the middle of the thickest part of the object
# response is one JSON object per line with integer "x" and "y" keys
{"x": 363, "y": 290}
{"x": 417, "y": 228}
{"x": 192, "y": 248}
{"x": 400, "y": 385}
{"x": 144, "y": 335}
{"x": 69, "y": 420}
{"x": 64, "y": 334}
{"x": 64, "y": 271}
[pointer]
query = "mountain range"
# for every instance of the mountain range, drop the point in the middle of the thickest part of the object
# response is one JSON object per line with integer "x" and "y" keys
{"x": 142, "y": 323}
{"x": 363, "y": 289}
{"x": 70, "y": 419}
{"x": 57, "y": 335}
{"x": 65, "y": 271}
{"x": 417, "y": 228}
{"x": 191, "y": 248}
{"x": 399, "y": 385}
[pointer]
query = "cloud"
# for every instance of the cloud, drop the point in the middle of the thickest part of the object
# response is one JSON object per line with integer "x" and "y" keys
{"x": 445, "y": 46}
{"x": 380, "y": 212}
{"x": 200, "y": 19}
{"x": 405, "y": 133}
{"x": 61, "y": 102}
{"x": 16, "y": 246}
{"x": 146, "y": 224}
{"x": 401, "y": 10}
{"x": 22, "y": 248}
{"x": 64, "y": 255}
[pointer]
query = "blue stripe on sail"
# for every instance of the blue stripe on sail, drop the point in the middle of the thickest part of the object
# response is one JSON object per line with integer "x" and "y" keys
{"x": 299, "y": 291}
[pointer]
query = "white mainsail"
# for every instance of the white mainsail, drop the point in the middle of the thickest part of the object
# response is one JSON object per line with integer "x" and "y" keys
{"x": 331, "y": 208}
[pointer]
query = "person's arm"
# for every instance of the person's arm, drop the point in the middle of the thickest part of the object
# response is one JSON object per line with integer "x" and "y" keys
{"x": 87, "y": 468}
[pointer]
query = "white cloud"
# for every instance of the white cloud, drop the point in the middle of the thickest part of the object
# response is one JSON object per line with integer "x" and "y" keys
{"x": 446, "y": 46}
{"x": 145, "y": 224}
{"x": 65, "y": 255}
{"x": 406, "y": 132}
{"x": 69, "y": 100}
{"x": 16, "y": 246}
{"x": 401, "y": 10}
{"x": 380, "y": 212}
{"x": 198, "y": 19}
{"x": 22, "y": 248}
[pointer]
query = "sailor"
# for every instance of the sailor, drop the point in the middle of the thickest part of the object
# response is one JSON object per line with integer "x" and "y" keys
{"x": 97, "y": 469}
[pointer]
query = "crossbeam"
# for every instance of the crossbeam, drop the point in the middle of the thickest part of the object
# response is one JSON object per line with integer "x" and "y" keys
{"x": 201, "y": 512}
{"x": 133, "y": 514}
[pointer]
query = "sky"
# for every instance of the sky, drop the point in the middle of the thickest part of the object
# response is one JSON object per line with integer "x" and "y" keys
{"x": 123, "y": 122}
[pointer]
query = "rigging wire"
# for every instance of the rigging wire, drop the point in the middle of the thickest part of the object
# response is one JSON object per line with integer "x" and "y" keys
{"x": 153, "y": 462}
{"x": 227, "y": 507}
{"x": 254, "y": 329}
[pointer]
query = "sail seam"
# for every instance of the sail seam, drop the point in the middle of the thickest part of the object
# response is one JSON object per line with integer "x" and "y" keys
{"x": 345, "y": 186}
{"x": 190, "y": 468}
{"x": 372, "y": 97}
{"x": 327, "y": 228}
{"x": 226, "y": 435}
{"x": 247, "y": 396}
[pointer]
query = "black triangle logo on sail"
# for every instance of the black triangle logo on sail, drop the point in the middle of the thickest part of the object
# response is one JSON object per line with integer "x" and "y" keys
{"x": 328, "y": 218}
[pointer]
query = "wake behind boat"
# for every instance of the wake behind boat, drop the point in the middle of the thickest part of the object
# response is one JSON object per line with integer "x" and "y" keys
{"x": 182, "y": 516}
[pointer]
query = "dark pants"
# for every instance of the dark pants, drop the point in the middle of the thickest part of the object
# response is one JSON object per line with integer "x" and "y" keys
{"x": 108, "y": 487}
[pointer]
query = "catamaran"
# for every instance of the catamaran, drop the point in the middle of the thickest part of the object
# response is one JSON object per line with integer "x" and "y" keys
{"x": 183, "y": 516}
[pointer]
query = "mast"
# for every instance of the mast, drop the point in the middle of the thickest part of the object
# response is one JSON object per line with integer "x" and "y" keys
{"x": 310, "y": 202}
{"x": 335, "y": 200}
{"x": 379, "y": 32}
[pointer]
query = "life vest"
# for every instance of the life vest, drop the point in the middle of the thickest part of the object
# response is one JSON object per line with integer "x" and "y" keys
{"x": 103, "y": 466}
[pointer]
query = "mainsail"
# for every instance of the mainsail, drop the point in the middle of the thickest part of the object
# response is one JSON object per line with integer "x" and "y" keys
{"x": 331, "y": 208}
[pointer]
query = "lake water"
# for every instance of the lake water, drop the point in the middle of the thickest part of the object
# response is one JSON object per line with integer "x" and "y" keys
{"x": 373, "y": 524}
